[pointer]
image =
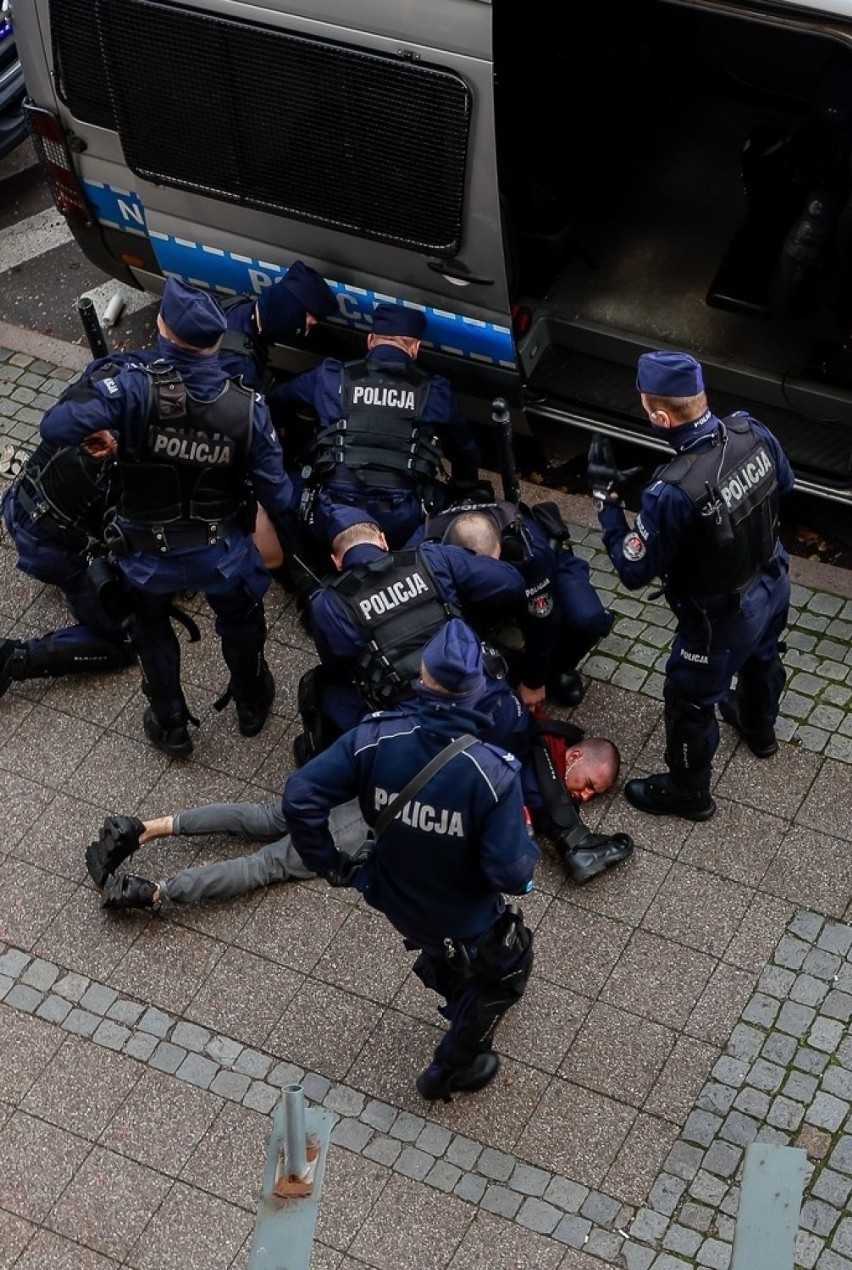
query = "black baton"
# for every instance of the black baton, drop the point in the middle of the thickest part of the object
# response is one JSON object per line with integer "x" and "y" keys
{"x": 502, "y": 419}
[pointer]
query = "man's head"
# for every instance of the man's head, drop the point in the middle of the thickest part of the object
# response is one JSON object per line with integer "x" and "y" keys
{"x": 394, "y": 324}
{"x": 191, "y": 318}
{"x": 477, "y": 531}
{"x": 451, "y": 664}
{"x": 671, "y": 386}
{"x": 349, "y": 527}
{"x": 295, "y": 302}
{"x": 591, "y": 768}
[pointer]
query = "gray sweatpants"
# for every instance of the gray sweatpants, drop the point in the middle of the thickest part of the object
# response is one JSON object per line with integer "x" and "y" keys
{"x": 275, "y": 862}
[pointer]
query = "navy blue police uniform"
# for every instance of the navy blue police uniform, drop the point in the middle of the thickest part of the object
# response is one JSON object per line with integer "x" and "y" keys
{"x": 562, "y": 617}
{"x": 53, "y": 512}
{"x": 192, "y": 447}
{"x": 384, "y": 428}
{"x": 278, "y": 314}
{"x": 708, "y": 528}
{"x": 442, "y": 867}
{"x": 371, "y": 623}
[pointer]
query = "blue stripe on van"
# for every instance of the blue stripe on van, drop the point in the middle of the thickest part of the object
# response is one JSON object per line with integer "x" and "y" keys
{"x": 235, "y": 274}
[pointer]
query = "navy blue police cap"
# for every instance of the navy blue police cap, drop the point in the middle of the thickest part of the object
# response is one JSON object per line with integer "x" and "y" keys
{"x": 453, "y": 657}
{"x": 342, "y": 516}
{"x": 393, "y": 319}
{"x": 193, "y": 315}
{"x": 302, "y": 290}
{"x": 665, "y": 374}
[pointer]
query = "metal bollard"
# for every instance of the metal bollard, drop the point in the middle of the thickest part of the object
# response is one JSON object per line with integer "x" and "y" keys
{"x": 92, "y": 327}
{"x": 292, "y": 1184}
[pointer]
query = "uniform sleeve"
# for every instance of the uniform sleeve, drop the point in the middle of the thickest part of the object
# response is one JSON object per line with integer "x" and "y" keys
{"x": 443, "y": 411}
{"x": 326, "y": 781}
{"x": 270, "y": 482}
{"x": 508, "y": 854}
{"x": 646, "y": 551}
{"x": 110, "y": 405}
{"x": 306, "y": 389}
{"x": 475, "y": 579}
{"x": 538, "y": 616}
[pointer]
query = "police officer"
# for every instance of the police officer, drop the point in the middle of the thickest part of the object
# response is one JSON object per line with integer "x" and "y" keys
{"x": 440, "y": 869}
{"x": 189, "y": 440}
{"x": 562, "y": 617}
{"x": 708, "y": 528}
{"x": 384, "y": 427}
{"x": 371, "y": 623}
{"x": 53, "y": 512}
{"x": 285, "y": 311}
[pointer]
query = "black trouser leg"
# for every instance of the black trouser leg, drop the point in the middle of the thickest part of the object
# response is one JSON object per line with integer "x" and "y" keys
{"x": 692, "y": 738}
{"x": 158, "y": 650}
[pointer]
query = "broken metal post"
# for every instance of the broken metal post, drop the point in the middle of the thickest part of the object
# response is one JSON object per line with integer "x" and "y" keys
{"x": 92, "y": 327}
{"x": 292, "y": 1184}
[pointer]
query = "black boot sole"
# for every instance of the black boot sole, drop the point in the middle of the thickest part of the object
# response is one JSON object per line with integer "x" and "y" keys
{"x": 731, "y": 715}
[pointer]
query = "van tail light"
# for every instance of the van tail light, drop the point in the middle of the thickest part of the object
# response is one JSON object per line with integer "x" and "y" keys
{"x": 54, "y": 154}
{"x": 521, "y": 320}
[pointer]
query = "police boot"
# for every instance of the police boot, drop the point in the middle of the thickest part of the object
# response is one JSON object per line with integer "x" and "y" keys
{"x": 762, "y": 741}
{"x": 253, "y": 708}
{"x": 566, "y": 687}
{"x": 119, "y": 838}
{"x": 168, "y": 733}
{"x": 591, "y": 853}
{"x": 440, "y": 1081}
{"x": 659, "y": 796}
{"x": 14, "y": 662}
{"x": 125, "y": 890}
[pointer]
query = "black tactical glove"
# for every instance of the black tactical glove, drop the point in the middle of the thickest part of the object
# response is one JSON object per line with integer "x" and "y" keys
{"x": 606, "y": 481}
{"x": 346, "y": 870}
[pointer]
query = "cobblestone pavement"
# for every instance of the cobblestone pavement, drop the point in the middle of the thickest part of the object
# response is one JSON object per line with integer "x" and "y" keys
{"x": 683, "y": 1006}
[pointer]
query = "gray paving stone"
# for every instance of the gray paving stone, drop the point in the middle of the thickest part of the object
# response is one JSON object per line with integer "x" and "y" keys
{"x": 837, "y": 938}
{"x": 842, "y": 1240}
{"x": 471, "y": 1187}
{"x": 807, "y": 1249}
{"x": 810, "y": 1060}
{"x": 636, "y": 1257}
{"x": 605, "y": 1244}
{"x": 442, "y": 1175}
{"x": 838, "y": 1005}
{"x": 831, "y": 1260}
{"x": 496, "y": 1164}
{"x": 753, "y": 1103}
{"x": 665, "y": 1193}
{"x": 536, "y": 1214}
{"x": 407, "y": 1127}
{"x": 167, "y": 1057}
{"x": 261, "y": 1097}
{"x": 745, "y": 1041}
{"x": 529, "y": 1180}
{"x": 785, "y": 1114}
{"x": 822, "y": 964}
{"x": 350, "y": 1133}
{"x": 808, "y": 990}
{"x": 6, "y": 985}
{"x": 800, "y": 1087}
{"x": 316, "y": 1087}
{"x": 40, "y": 974}
{"x": 791, "y": 952}
{"x": 80, "y": 1022}
{"x": 25, "y": 998}
{"x": 191, "y": 1036}
{"x": 98, "y": 998}
{"x": 433, "y": 1138}
{"x": 795, "y": 1019}
{"x": 696, "y": 1216}
{"x": 141, "y": 1045}
{"x": 230, "y": 1085}
{"x": 837, "y": 1080}
{"x": 410, "y": 1162}
{"x": 701, "y": 1127}
{"x": 386, "y": 1150}
{"x": 345, "y": 1101}
{"x": 256, "y": 1065}
{"x": 761, "y": 1010}
{"x": 717, "y": 1098}
{"x": 565, "y": 1194}
{"x": 766, "y": 1076}
{"x": 126, "y": 1012}
{"x": 723, "y": 1159}
{"x": 714, "y": 1254}
{"x": 827, "y": 1112}
{"x": 833, "y": 1187}
{"x": 601, "y": 1209}
{"x": 156, "y": 1022}
{"x": 379, "y": 1114}
{"x": 739, "y": 1129}
{"x": 826, "y": 1035}
{"x": 708, "y": 1189}
{"x": 684, "y": 1160}
{"x": 572, "y": 1230}
{"x": 111, "y": 1035}
{"x": 682, "y": 1240}
{"x": 54, "y": 1009}
{"x": 464, "y": 1152}
{"x": 819, "y": 1217}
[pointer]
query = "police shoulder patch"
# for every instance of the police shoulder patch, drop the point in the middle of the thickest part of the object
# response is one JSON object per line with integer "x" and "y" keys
{"x": 633, "y": 546}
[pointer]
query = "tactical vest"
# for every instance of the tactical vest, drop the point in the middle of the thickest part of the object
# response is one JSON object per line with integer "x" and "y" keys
{"x": 733, "y": 487}
{"x": 244, "y": 343}
{"x": 192, "y": 462}
{"x": 394, "y": 601}
{"x": 64, "y": 491}
{"x": 378, "y": 435}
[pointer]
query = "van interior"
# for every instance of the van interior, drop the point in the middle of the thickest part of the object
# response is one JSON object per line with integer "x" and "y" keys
{"x": 674, "y": 176}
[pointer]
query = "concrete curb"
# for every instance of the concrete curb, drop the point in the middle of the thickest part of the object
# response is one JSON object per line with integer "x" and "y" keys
{"x": 44, "y": 347}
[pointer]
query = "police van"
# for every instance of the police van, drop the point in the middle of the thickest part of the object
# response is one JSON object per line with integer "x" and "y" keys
{"x": 558, "y": 196}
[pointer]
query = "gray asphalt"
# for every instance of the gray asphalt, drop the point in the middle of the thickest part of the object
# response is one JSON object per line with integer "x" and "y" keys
{"x": 692, "y": 1002}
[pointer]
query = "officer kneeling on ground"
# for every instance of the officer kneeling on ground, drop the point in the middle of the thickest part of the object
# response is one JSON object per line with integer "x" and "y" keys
{"x": 441, "y": 867}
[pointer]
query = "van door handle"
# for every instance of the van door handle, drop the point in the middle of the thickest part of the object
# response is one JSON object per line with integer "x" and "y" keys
{"x": 457, "y": 273}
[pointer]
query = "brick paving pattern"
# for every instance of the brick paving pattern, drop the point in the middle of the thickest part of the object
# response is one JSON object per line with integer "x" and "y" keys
{"x": 683, "y": 1006}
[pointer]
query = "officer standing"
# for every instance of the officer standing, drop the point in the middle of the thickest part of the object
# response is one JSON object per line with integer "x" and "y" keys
{"x": 384, "y": 428}
{"x": 441, "y": 868}
{"x": 53, "y": 512}
{"x": 562, "y": 617}
{"x": 189, "y": 441}
{"x": 708, "y": 528}
{"x": 372, "y": 622}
